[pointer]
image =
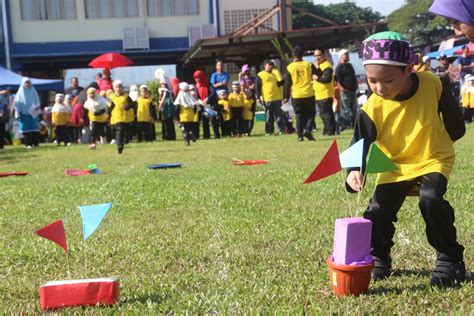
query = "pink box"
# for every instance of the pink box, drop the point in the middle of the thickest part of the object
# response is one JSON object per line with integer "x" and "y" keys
{"x": 352, "y": 238}
{"x": 85, "y": 292}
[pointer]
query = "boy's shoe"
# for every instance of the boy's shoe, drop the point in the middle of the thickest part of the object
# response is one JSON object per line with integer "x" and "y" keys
{"x": 300, "y": 139}
{"x": 309, "y": 136}
{"x": 193, "y": 136}
{"x": 112, "y": 142}
{"x": 448, "y": 274}
{"x": 382, "y": 268}
{"x": 92, "y": 146}
{"x": 120, "y": 149}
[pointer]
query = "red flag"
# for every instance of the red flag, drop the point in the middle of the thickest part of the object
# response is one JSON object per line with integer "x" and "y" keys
{"x": 54, "y": 232}
{"x": 330, "y": 164}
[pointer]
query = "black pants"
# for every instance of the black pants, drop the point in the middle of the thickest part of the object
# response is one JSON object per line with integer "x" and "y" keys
{"x": 76, "y": 134}
{"x": 467, "y": 113}
{"x": 305, "y": 111}
{"x": 237, "y": 121}
{"x": 62, "y": 134}
{"x": 437, "y": 213}
{"x": 187, "y": 128}
{"x": 98, "y": 129}
{"x": 130, "y": 129}
{"x": 195, "y": 129}
{"x": 2, "y": 135}
{"x": 120, "y": 134}
{"x": 144, "y": 131}
{"x": 226, "y": 127}
{"x": 214, "y": 121}
{"x": 31, "y": 138}
{"x": 327, "y": 115}
{"x": 167, "y": 129}
{"x": 274, "y": 112}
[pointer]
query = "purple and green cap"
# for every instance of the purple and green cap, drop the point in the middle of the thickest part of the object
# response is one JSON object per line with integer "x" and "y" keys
{"x": 388, "y": 48}
{"x": 459, "y": 10}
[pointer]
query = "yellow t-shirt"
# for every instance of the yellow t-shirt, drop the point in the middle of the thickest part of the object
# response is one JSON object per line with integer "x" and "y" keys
{"x": 143, "y": 109}
{"x": 236, "y": 100}
{"x": 119, "y": 115}
{"x": 324, "y": 90}
{"x": 248, "y": 114}
{"x": 61, "y": 118}
{"x": 186, "y": 115}
{"x": 97, "y": 118}
{"x": 301, "y": 77}
{"x": 270, "y": 89}
{"x": 468, "y": 98}
{"x": 226, "y": 113}
{"x": 411, "y": 132}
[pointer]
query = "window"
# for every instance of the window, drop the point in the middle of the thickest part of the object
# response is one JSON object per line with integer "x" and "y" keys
{"x": 235, "y": 18}
{"x": 172, "y": 7}
{"x": 96, "y": 9}
{"x": 32, "y": 10}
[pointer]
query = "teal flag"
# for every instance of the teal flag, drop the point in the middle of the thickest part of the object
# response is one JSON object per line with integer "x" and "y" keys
{"x": 352, "y": 156}
{"x": 378, "y": 162}
{"x": 92, "y": 216}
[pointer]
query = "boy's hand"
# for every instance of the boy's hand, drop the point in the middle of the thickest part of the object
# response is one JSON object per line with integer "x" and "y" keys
{"x": 354, "y": 180}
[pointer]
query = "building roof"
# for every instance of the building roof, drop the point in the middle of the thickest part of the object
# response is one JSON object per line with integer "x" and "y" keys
{"x": 236, "y": 49}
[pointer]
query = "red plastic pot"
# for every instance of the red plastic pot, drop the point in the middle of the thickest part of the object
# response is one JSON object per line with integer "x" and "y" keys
{"x": 349, "y": 279}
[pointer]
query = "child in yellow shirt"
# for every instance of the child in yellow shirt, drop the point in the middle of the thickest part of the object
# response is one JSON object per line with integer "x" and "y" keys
{"x": 468, "y": 99}
{"x": 187, "y": 109}
{"x": 61, "y": 116}
{"x": 225, "y": 113}
{"x": 236, "y": 103}
{"x": 248, "y": 113}
{"x": 146, "y": 115}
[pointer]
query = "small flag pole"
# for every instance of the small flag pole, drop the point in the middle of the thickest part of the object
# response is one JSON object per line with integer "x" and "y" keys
{"x": 67, "y": 265}
{"x": 359, "y": 193}
{"x": 347, "y": 193}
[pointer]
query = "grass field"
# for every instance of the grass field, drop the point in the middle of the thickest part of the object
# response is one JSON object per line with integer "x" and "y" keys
{"x": 212, "y": 237}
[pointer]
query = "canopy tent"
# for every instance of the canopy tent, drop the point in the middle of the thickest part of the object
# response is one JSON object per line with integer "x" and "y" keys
{"x": 12, "y": 81}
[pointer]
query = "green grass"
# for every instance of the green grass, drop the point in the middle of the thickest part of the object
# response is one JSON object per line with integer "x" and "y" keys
{"x": 211, "y": 237}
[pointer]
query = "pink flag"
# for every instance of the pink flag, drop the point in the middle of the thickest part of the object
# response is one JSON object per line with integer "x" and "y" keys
{"x": 54, "y": 232}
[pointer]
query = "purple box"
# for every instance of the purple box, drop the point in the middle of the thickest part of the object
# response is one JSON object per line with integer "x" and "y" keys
{"x": 352, "y": 240}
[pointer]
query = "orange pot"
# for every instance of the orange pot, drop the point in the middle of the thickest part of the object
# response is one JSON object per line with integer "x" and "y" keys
{"x": 349, "y": 279}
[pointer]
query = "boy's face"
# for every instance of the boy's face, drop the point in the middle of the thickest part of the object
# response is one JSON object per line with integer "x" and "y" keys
{"x": 118, "y": 89}
{"x": 388, "y": 81}
{"x": 143, "y": 93}
{"x": 223, "y": 96}
{"x": 235, "y": 88}
{"x": 92, "y": 95}
{"x": 248, "y": 94}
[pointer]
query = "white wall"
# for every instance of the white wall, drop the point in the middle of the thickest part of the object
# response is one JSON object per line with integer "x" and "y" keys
{"x": 83, "y": 29}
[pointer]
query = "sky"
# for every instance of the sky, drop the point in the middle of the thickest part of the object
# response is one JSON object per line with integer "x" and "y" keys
{"x": 385, "y": 7}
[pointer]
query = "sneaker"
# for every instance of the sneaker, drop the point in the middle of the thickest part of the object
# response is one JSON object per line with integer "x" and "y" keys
{"x": 382, "y": 268}
{"x": 448, "y": 274}
{"x": 68, "y": 144}
{"x": 29, "y": 147}
{"x": 92, "y": 146}
{"x": 193, "y": 137}
{"x": 309, "y": 136}
{"x": 112, "y": 142}
{"x": 300, "y": 139}
{"x": 268, "y": 134}
{"x": 120, "y": 149}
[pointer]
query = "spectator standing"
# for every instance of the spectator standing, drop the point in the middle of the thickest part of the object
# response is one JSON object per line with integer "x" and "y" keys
{"x": 75, "y": 88}
{"x": 220, "y": 78}
{"x": 347, "y": 81}
{"x": 27, "y": 107}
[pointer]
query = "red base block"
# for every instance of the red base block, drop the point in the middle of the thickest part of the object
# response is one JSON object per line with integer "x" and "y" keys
{"x": 86, "y": 292}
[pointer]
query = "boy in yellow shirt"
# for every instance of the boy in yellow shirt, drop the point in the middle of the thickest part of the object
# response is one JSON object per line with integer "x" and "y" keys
{"x": 236, "y": 103}
{"x": 248, "y": 113}
{"x": 95, "y": 109}
{"x": 186, "y": 109}
{"x": 146, "y": 115}
{"x": 119, "y": 105}
{"x": 403, "y": 117}
{"x": 61, "y": 116}
{"x": 225, "y": 113}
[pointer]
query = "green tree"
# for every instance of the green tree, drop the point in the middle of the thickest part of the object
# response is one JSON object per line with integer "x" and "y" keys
{"x": 341, "y": 13}
{"x": 417, "y": 24}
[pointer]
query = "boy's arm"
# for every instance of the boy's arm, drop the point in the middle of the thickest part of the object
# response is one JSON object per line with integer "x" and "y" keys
{"x": 325, "y": 76}
{"x": 364, "y": 128}
{"x": 287, "y": 87}
{"x": 451, "y": 113}
{"x": 130, "y": 104}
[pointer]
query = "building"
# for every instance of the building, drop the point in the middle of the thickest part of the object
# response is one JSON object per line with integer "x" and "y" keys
{"x": 43, "y": 37}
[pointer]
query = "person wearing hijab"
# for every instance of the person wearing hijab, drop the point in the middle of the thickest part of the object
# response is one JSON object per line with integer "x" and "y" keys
{"x": 95, "y": 110}
{"x": 174, "y": 86}
{"x": 207, "y": 95}
{"x": 79, "y": 122}
{"x": 146, "y": 115}
{"x": 120, "y": 104}
{"x": 105, "y": 83}
{"x": 27, "y": 104}
{"x": 187, "y": 108}
{"x": 68, "y": 102}
{"x": 61, "y": 117}
{"x": 167, "y": 111}
{"x": 460, "y": 13}
{"x": 197, "y": 114}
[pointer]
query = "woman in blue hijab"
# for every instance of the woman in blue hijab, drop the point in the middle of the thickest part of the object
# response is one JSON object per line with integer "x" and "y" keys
{"x": 27, "y": 107}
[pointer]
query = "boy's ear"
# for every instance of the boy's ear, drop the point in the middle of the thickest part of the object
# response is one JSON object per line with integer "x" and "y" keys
{"x": 409, "y": 69}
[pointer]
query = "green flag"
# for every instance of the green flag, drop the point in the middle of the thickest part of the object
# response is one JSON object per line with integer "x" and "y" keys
{"x": 378, "y": 162}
